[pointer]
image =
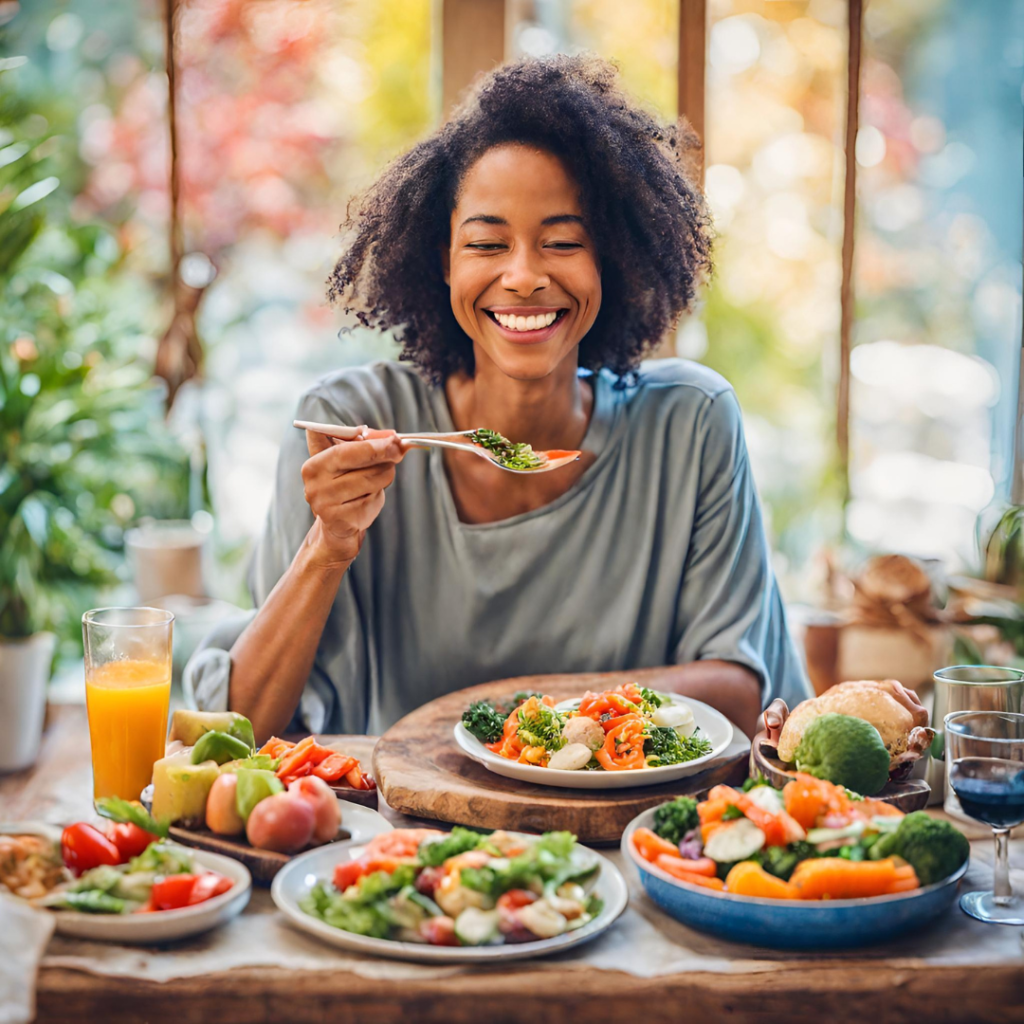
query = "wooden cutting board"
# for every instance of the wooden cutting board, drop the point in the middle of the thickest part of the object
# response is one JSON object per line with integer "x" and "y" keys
{"x": 264, "y": 864}
{"x": 422, "y": 773}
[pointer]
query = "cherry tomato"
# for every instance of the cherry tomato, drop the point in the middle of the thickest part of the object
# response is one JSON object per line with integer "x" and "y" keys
{"x": 173, "y": 892}
{"x": 515, "y": 898}
{"x": 84, "y": 847}
{"x": 207, "y": 886}
{"x": 429, "y": 879}
{"x": 129, "y": 839}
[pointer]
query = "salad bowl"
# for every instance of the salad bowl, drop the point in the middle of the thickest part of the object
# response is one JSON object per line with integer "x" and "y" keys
{"x": 164, "y": 926}
{"x": 713, "y": 725}
{"x": 295, "y": 882}
{"x": 785, "y": 924}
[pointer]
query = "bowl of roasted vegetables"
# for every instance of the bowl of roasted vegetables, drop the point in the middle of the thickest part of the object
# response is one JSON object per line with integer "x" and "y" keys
{"x": 615, "y": 739}
{"x": 808, "y": 866}
{"x": 458, "y": 897}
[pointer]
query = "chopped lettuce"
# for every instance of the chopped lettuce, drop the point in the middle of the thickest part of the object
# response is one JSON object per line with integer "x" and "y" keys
{"x": 435, "y": 852}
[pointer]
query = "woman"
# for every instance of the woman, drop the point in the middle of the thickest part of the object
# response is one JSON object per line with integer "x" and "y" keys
{"x": 528, "y": 255}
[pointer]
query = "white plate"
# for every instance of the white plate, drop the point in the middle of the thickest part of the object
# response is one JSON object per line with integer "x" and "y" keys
{"x": 713, "y": 726}
{"x": 164, "y": 925}
{"x": 295, "y": 881}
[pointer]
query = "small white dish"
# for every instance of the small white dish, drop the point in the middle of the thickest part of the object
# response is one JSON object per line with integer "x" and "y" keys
{"x": 713, "y": 725}
{"x": 294, "y": 882}
{"x": 162, "y": 925}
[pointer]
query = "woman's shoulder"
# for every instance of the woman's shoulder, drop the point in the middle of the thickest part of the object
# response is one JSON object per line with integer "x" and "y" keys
{"x": 381, "y": 394}
{"x": 684, "y": 391}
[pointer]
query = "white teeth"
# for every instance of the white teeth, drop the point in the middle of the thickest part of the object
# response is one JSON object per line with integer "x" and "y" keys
{"x": 525, "y": 323}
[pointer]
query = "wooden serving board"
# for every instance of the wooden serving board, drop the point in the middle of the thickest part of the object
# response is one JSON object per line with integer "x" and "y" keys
{"x": 910, "y": 795}
{"x": 421, "y": 772}
{"x": 264, "y": 864}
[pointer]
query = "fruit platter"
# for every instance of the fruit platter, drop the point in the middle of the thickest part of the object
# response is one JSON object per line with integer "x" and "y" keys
{"x": 618, "y": 738}
{"x": 458, "y": 897}
{"x": 810, "y": 865}
{"x": 217, "y": 791}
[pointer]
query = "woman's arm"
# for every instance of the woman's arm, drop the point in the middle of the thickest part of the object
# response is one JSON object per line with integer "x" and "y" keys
{"x": 271, "y": 661}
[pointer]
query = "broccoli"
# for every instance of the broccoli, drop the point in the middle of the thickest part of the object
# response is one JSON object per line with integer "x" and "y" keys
{"x": 541, "y": 726}
{"x": 484, "y": 721}
{"x": 434, "y": 852}
{"x": 673, "y": 820}
{"x": 845, "y": 750}
{"x": 780, "y": 861}
{"x": 934, "y": 847}
{"x": 665, "y": 746}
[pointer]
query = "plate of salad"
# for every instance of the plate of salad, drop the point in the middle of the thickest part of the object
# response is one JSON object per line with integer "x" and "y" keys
{"x": 120, "y": 882}
{"x": 458, "y": 897}
{"x": 809, "y": 866}
{"x": 619, "y": 738}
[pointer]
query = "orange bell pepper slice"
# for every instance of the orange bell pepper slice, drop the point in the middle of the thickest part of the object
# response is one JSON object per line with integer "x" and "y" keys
{"x": 676, "y": 867}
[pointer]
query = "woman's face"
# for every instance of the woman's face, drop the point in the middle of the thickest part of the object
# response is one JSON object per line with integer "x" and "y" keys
{"x": 524, "y": 276}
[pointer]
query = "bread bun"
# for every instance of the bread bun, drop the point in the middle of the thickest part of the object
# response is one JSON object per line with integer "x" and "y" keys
{"x": 868, "y": 699}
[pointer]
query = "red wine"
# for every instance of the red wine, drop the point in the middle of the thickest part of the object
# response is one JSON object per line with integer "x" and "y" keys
{"x": 990, "y": 789}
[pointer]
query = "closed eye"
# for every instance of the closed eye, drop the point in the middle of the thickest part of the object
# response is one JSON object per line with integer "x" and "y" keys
{"x": 565, "y": 245}
{"x": 486, "y": 246}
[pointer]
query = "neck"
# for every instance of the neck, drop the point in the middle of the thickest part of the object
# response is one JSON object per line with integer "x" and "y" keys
{"x": 552, "y": 412}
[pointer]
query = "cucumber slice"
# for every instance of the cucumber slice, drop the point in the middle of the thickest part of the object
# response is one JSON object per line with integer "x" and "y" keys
{"x": 738, "y": 841}
{"x": 475, "y": 927}
{"x": 828, "y": 835}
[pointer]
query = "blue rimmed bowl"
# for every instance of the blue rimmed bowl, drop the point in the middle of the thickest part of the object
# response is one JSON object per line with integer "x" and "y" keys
{"x": 783, "y": 924}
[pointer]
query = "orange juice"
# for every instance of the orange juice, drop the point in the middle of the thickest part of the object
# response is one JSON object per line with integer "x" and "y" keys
{"x": 127, "y": 703}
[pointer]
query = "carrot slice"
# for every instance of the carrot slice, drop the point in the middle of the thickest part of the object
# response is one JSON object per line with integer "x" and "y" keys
{"x": 650, "y": 846}
{"x": 748, "y": 878}
{"x": 838, "y": 879}
{"x": 675, "y": 866}
{"x": 334, "y": 767}
{"x": 275, "y": 747}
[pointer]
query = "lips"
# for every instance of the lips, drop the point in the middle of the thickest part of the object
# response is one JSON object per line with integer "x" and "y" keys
{"x": 526, "y": 324}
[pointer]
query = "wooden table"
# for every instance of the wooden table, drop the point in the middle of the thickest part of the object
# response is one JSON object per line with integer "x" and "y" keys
{"x": 789, "y": 990}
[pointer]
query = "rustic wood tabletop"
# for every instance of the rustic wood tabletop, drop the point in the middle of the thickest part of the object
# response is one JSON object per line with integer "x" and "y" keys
{"x": 855, "y": 987}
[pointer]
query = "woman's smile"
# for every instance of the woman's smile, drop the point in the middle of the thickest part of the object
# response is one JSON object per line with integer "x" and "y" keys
{"x": 527, "y": 325}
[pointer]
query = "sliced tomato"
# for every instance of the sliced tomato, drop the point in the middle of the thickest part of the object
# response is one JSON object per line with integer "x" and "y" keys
{"x": 515, "y": 898}
{"x": 207, "y": 886}
{"x": 129, "y": 839}
{"x": 84, "y": 847}
{"x": 439, "y": 931}
{"x": 348, "y": 873}
{"x": 173, "y": 892}
{"x": 275, "y": 747}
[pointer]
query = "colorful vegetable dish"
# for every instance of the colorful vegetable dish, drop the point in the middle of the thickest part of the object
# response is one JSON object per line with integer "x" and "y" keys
{"x": 623, "y": 729}
{"x": 461, "y": 888}
{"x": 278, "y": 796}
{"x": 514, "y": 454}
{"x": 123, "y": 869}
{"x": 812, "y": 840}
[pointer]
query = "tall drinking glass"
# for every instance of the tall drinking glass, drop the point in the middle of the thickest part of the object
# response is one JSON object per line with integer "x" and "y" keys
{"x": 127, "y": 693}
{"x": 985, "y": 757}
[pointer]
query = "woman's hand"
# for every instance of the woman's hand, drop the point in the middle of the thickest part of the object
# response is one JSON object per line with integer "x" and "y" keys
{"x": 344, "y": 486}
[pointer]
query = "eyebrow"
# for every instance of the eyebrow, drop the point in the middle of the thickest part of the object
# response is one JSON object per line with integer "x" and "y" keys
{"x": 488, "y": 218}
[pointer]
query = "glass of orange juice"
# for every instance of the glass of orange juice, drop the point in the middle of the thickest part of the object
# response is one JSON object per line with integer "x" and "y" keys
{"x": 127, "y": 694}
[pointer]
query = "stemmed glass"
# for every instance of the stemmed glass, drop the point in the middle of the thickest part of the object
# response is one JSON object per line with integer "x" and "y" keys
{"x": 985, "y": 757}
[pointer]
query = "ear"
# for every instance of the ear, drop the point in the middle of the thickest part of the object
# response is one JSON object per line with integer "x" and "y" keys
{"x": 446, "y": 265}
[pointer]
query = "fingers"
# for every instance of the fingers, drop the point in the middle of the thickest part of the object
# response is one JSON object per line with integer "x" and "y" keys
{"x": 775, "y": 716}
{"x": 910, "y": 700}
{"x": 317, "y": 442}
{"x": 331, "y": 493}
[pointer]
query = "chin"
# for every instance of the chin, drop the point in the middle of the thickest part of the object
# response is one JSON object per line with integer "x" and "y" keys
{"x": 525, "y": 366}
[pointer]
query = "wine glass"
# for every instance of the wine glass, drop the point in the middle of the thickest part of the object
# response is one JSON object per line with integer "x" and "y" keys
{"x": 985, "y": 755}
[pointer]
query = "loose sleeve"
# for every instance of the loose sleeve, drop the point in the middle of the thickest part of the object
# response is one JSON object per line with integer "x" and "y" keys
{"x": 335, "y": 698}
{"x": 730, "y": 607}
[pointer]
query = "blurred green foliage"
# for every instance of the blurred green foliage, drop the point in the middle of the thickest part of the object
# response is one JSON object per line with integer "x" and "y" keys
{"x": 83, "y": 448}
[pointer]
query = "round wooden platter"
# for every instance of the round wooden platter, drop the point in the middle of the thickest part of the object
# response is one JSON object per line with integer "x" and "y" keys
{"x": 264, "y": 864}
{"x": 910, "y": 795}
{"x": 422, "y": 773}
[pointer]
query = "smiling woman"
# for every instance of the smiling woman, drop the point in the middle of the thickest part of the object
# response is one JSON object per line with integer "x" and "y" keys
{"x": 527, "y": 255}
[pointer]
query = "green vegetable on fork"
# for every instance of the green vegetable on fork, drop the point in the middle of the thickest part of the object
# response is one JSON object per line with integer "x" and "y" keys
{"x": 513, "y": 454}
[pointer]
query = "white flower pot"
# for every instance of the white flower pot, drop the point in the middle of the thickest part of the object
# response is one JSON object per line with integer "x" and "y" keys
{"x": 24, "y": 673}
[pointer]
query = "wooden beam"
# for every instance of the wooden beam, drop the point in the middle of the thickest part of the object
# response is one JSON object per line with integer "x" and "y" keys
{"x": 846, "y": 297}
{"x": 472, "y": 42}
{"x": 693, "y": 28}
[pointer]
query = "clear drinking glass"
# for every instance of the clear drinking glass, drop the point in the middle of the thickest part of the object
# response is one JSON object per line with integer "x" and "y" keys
{"x": 985, "y": 758}
{"x": 127, "y": 694}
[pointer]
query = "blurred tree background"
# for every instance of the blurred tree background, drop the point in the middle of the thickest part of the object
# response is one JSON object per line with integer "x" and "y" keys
{"x": 287, "y": 107}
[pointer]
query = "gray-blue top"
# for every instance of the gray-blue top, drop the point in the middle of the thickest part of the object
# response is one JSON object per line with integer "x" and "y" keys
{"x": 656, "y": 556}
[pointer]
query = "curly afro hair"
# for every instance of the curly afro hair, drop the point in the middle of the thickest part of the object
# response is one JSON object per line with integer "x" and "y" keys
{"x": 646, "y": 217}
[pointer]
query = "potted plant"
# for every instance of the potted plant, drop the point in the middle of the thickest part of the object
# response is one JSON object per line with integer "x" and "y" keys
{"x": 82, "y": 448}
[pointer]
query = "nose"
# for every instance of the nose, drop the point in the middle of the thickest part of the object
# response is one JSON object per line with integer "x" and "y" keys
{"x": 524, "y": 273}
